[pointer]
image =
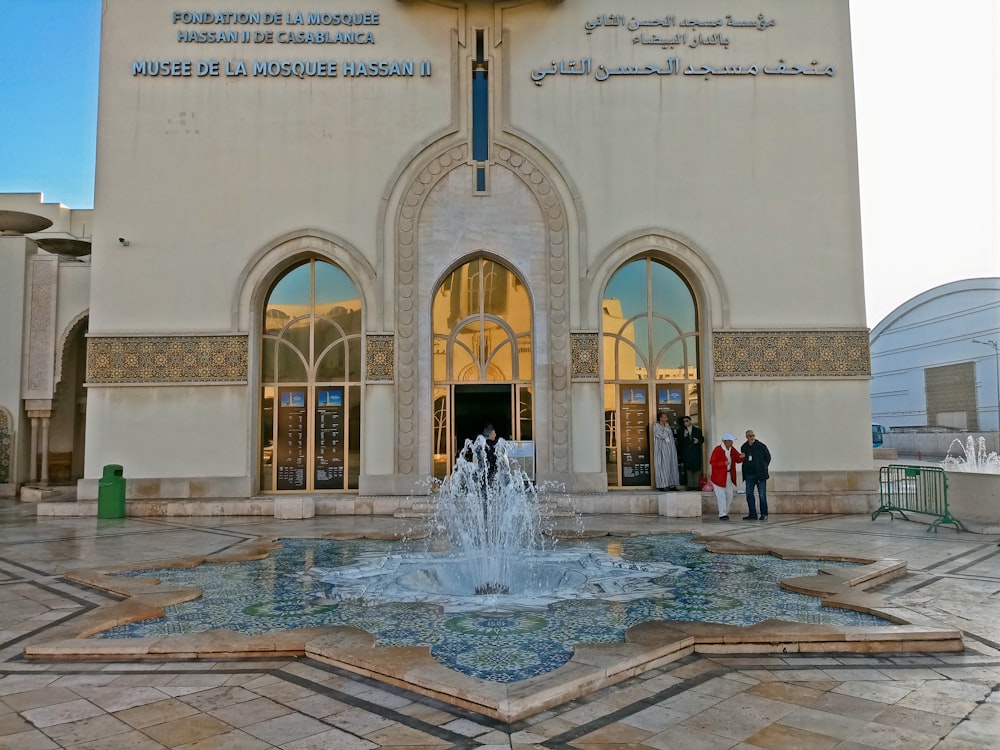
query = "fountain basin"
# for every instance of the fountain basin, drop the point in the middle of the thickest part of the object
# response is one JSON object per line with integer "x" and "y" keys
{"x": 530, "y": 581}
{"x": 592, "y": 666}
{"x": 456, "y": 582}
{"x": 974, "y": 499}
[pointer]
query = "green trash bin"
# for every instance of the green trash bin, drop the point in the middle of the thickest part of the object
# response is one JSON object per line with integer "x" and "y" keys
{"x": 111, "y": 493}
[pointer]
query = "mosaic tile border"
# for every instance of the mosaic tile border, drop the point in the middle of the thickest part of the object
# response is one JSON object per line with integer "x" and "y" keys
{"x": 791, "y": 354}
{"x": 380, "y": 358}
{"x": 585, "y": 356}
{"x": 119, "y": 360}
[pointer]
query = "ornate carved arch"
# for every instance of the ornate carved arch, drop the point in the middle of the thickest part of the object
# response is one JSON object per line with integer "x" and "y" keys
{"x": 557, "y": 297}
{"x": 270, "y": 260}
{"x": 64, "y": 340}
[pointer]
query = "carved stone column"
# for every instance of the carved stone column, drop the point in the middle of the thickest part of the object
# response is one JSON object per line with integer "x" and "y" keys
{"x": 33, "y": 451}
{"x": 40, "y": 414}
{"x": 38, "y": 374}
{"x": 44, "y": 448}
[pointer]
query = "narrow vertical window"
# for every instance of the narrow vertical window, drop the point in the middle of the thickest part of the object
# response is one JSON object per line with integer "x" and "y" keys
{"x": 480, "y": 111}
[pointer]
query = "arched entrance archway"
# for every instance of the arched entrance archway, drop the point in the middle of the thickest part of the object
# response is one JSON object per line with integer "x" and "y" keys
{"x": 651, "y": 355}
{"x": 482, "y": 357}
{"x": 310, "y": 401}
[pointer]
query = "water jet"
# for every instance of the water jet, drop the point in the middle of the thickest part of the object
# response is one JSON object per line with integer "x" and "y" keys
{"x": 975, "y": 458}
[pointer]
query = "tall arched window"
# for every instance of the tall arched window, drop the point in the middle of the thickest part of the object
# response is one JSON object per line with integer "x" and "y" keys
{"x": 481, "y": 356}
{"x": 650, "y": 335}
{"x": 311, "y": 381}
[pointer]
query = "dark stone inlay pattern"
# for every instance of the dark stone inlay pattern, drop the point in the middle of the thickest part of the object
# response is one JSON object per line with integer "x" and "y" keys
{"x": 791, "y": 354}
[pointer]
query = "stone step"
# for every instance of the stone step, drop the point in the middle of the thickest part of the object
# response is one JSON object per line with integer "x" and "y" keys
{"x": 548, "y": 508}
{"x": 423, "y": 505}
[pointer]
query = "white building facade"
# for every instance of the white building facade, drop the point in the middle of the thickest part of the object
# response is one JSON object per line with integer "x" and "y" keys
{"x": 330, "y": 244}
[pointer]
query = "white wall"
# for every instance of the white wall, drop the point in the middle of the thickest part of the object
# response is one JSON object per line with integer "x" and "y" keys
{"x": 200, "y": 173}
{"x": 169, "y": 431}
{"x": 807, "y": 426}
{"x": 758, "y": 172}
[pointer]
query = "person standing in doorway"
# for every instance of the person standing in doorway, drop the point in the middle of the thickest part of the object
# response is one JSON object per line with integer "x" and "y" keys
{"x": 665, "y": 453}
{"x": 691, "y": 444}
{"x": 489, "y": 457}
{"x": 723, "y": 461}
{"x": 756, "y": 460}
{"x": 486, "y": 458}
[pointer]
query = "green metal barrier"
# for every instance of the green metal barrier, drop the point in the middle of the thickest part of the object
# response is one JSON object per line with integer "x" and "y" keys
{"x": 915, "y": 489}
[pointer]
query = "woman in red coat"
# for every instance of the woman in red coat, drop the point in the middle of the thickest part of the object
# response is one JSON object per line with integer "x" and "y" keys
{"x": 723, "y": 461}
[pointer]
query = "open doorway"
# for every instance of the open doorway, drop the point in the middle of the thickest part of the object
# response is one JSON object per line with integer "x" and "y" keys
{"x": 480, "y": 404}
{"x": 481, "y": 358}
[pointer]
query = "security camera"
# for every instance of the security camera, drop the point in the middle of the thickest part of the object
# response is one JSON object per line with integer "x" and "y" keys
{"x": 125, "y": 242}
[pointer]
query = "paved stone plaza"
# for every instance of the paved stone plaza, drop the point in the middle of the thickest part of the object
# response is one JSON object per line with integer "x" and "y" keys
{"x": 831, "y": 701}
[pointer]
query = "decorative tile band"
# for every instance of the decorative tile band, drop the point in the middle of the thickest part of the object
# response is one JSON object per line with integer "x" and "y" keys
{"x": 791, "y": 354}
{"x": 380, "y": 358}
{"x": 118, "y": 360}
{"x": 585, "y": 354}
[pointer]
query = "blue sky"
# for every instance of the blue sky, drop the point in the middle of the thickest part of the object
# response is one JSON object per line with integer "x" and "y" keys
{"x": 927, "y": 105}
{"x": 48, "y": 85}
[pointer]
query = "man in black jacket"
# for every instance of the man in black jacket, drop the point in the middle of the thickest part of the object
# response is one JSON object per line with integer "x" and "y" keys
{"x": 691, "y": 441}
{"x": 755, "y": 462}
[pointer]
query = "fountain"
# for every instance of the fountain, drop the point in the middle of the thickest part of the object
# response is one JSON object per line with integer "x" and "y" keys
{"x": 975, "y": 458}
{"x": 490, "y": 551}
{"x": 488, "y": 515}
